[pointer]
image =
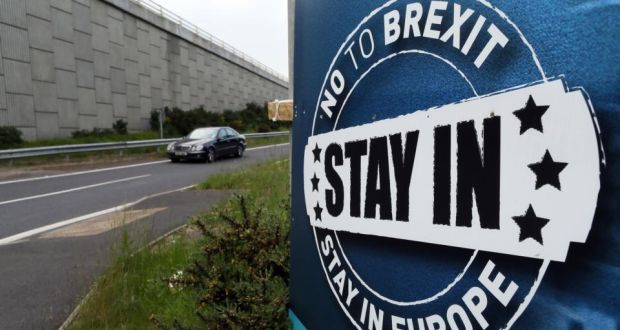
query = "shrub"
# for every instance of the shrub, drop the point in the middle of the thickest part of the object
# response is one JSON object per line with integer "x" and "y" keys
{"x": 10, "y": 137}
{"x": 120, "y": 127}
{"x": 96, "y": 132}
{"x": 251, "y": 119}
{"x": 241, "y": 274}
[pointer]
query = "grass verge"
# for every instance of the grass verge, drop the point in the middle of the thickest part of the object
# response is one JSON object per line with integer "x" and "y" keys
{"x": 161, "y": 287}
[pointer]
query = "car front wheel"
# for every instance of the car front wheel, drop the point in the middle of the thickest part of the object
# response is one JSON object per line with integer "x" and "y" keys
{"x": 210, "y": 155}
{"x": 240, "y": 150}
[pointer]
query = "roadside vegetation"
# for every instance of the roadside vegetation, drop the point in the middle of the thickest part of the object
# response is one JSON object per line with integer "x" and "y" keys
{"x": 178, "y": 123}
{"x": 252, "y": 119}
{"x": 228, "y": 269}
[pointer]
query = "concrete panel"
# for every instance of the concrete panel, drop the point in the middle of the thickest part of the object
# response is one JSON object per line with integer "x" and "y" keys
{"x": 156, "y": 77}
{"x": 166, "y": 91}
{"x": 66, "y": 84}
{"x": 86, "y": 104}
{"x": 145, "y": 86}
{"x": 156, "y": 98}
{"x": 83, "y": 46}
{"x": 105, "y": 115}
{"x": 103, "y": 90}
{"x": 87, "y": 122}
{"x": 142, "y": 25}
{"x": 13, "y": 12}
{"x": 40, "y": 33}
{"x": 119, "y": 104}
{"x": 143, "y": 41}
{"x": 184, "y": 53}
{"x": 62, "y": 25}
{"x": 102, "y": 64}
{"x": 144, "y": 63}
{"x": 133, "y": 96}
{"x": 81, "y": 18}
{"x": 117, "y": 56}
{"x": 134, "y": 121}
{"x": 155, "y": 56}
{"x": 117, "y": 77}
{"x": 115, "y": 13}
{"x": 42, "y": 65}
{"x": 67, "y": 114}
{"x": 64, "y": 55}
{"x": 145, "y": 107}
{"x": 116, "y": 30}
{"x": 14, "y": 42}
{"x": 83, "y": 2}
{"x": 193, "y": 86}
{"x": 165, "y": 70}
{"x": 4, "y": 117}
{"x": 47, "y": 125}
{"x": 99, "y": 12}
{"x": 85, "y": 74}
{"x": 130, "y": 26}
{"x": 20, "y": 110}
{"x": 131, "y": 48}
{"x": 39, "y": 8}
{"x": 2, "y": 94}
{"x": 131, "y": 72}
{"x": 155, "y": 36}
{"x": 193, "y": 69}
{"x": 44, "y": 94}
{"x": 18, "y": 77}
{"x": 185, "y": 94}
{"x": 101, "y": 38}
{"x": 64, "y": 5}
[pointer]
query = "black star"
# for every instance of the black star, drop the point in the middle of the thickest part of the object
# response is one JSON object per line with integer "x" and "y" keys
{"x": 547, "y": 171}
{"x": 317, "y": 211}
{"x": 315, "y": 183}
{"x": 530, "y": 225}
{"x": 531, "y": 115}
{"x": 317, "y": 153}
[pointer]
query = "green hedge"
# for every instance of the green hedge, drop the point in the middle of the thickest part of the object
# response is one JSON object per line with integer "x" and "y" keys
{"x": 10, "y": 137}
{"x": 251, "y": 119}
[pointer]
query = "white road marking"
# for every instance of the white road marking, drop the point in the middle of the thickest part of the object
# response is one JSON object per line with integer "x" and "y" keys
{"x": 36, "y": 231}
{"x": 39, "y": 230}
{"x": 83, "y": 172}
{"x": 73, "y": 189}
{"x": 112, "y": 168}
{"x": 269, "y": 146}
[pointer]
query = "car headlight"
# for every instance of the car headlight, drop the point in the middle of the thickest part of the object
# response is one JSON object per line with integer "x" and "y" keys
{"x": 197, "y": 148}
{"x": 170, "y": 147}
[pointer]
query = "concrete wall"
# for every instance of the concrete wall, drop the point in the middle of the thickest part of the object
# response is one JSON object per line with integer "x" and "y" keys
{"x": 79, "y": 64}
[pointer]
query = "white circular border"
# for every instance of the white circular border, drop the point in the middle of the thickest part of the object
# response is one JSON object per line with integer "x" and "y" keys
{"x": 545, "y": 264}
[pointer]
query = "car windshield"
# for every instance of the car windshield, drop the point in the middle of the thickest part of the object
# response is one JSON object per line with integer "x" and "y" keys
{"x": 203, "y": 133}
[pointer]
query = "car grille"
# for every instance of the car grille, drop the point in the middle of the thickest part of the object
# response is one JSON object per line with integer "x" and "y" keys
{"x": 181, "y": 148}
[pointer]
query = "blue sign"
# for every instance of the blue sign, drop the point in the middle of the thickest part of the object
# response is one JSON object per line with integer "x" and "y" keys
{"x": 455, "y": 165}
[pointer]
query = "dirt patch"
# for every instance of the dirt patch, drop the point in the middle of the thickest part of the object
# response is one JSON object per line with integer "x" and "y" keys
{"x": 102, "y": 224}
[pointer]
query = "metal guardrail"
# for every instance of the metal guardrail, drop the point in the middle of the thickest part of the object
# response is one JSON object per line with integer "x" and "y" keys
{"x": 74, "y": 148}
{"x": 161, "y": 11}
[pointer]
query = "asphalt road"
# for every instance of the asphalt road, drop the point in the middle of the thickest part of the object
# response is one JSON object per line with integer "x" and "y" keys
{"x": 29, "y": 204}
{"x": 44, "y": 273}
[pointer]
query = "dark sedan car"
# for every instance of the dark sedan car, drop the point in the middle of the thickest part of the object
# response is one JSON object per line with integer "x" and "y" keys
{"x": 207, "y": 144}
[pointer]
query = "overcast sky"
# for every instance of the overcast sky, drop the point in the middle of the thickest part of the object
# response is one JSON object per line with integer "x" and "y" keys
{"x": 256, "y": 27}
